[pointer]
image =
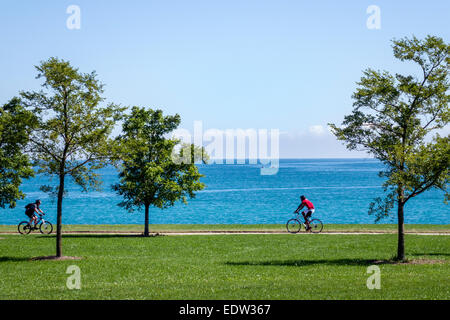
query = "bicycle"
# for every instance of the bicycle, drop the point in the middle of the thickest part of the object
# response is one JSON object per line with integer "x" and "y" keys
{"x": 295, "y": 225}
{"x": 45, "y": 227}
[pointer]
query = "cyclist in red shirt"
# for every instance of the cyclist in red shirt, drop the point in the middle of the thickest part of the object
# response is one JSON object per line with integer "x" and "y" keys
{"x": 308, "y": 212}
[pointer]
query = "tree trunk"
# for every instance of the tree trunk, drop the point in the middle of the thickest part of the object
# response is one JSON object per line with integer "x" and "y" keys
{"x": 146, "y": 230}
{"x": 401, "y": 227}
{"x": 59, "y": 216}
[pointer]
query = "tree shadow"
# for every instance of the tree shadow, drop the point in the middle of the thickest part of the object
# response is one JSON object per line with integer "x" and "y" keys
{"x": 22, "y": 259}
{"x": 431, "y": 254}
{"x": 103, "y": 236}
{"x": 13, "y": 259}
{"x": 302, "y": 263}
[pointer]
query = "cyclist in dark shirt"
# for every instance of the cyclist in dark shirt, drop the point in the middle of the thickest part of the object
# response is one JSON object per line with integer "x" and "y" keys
{"x": 31, "y": 209}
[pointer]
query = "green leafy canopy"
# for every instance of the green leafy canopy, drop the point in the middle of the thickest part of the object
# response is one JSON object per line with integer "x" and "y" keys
{"x": 397, "y": 118}
{"x": 148, "y": 173}
{"x": 72, "y": 135}
{"x": 15, "y": 126}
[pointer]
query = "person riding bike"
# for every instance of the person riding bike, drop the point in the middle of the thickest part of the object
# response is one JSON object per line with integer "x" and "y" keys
{"x": 308, "y": 212}
{"x": 31, "y": 208}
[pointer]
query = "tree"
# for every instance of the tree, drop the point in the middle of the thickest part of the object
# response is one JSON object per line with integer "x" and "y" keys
{"x": 15, "y": 125}
{"x": 397, "y": 119}
{"x": 151, "y": 173}
{"x": 72, "y": 136}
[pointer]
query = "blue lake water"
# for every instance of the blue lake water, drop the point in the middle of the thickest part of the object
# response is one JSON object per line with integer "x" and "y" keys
{"x": 341, "y": 190}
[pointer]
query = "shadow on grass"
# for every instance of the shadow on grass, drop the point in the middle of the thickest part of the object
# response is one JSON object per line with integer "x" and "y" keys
{"x": 431, "y": 254}
{"x": 301, "y": 263}
{"x": 13, "y": 259}
{"x": 48, "y": 258}
{"x": 101, "y": 236}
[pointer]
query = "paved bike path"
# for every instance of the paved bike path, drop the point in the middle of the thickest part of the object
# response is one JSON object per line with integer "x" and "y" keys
{"x": 207, "y": 233}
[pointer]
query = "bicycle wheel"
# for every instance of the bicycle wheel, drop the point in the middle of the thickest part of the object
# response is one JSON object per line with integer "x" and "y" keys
{"x": 293, "y": 226}
{"x": 24, "y": 227}
{"x": 316, "y": 226}
{"x": 46, "y": 228}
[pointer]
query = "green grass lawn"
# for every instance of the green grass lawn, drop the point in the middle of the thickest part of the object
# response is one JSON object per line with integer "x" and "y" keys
{"x": 268, "y": 266}
{"x": 246, "y": 227}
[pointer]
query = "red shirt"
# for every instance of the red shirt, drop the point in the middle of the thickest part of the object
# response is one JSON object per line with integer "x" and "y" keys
{"x": 308, "y": 204}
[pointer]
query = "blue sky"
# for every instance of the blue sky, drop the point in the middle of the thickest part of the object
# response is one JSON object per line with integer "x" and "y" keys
{"x": 288, "y": 65}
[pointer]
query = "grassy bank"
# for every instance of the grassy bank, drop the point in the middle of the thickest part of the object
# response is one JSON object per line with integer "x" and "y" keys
{"x": 224, "y": 267}
{"x": 247, "y": 227}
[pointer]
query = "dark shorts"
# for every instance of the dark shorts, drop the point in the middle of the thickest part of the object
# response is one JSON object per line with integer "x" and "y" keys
{"x": 30, "y": 214}
{"x": 309, "y": 213}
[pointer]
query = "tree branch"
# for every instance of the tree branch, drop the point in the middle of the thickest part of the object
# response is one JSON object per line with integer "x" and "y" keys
{"x": 41, "y": 145}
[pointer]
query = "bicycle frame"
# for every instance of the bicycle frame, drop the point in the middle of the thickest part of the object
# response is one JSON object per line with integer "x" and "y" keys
{"x": 313, "y": 225}
{"x": 40, "y": 219}
{"x": 300, "y": 214}
{"x": 46, "y": 227}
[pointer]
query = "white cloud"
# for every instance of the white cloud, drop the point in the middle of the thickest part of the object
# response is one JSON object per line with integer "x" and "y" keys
{"x": 314, "y": 142}
{"x": 317, "y": 130}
